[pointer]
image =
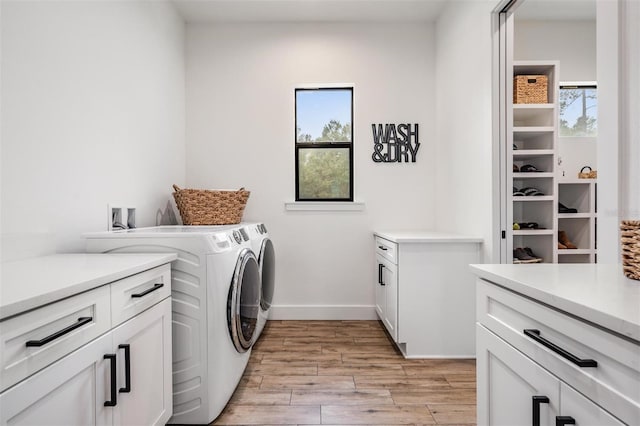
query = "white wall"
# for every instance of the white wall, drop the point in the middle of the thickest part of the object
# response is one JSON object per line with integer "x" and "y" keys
{"x": 630, "y": 135}
{"x": 92, "y": 113}
{"x": 573, "y": 43}
{"x": 464, "y": 127}
{"x": 240, "y": 132}
{"x": 609, "y": 89}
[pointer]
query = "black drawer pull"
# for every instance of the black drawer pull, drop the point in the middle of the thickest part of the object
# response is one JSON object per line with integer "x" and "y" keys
{"x": 380, "y": 267}
{"x": 537, "y": 400}
{"x": 149, "y": 290}
{"x": 127, "y": 368}
{"x": 535, "y": 335}
{"x": 565, "y": 420}
{"x": 383, "y": 248}
{"x": 114, "y": 395}
{"x": 81, "y": 321}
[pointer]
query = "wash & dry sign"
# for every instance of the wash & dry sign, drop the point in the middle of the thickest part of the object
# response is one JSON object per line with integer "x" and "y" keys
{"x": 395, "y": 143}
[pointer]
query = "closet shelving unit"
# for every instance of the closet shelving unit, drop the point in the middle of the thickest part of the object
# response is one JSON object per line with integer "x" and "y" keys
{"x": 581, "y": 226}
{"x": 533, "y": 132}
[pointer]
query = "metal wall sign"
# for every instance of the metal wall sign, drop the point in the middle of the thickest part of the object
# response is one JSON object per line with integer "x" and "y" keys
{"x": 395, "y": 143}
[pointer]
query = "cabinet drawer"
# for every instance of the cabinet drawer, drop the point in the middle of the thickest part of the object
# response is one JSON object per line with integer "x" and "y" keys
{"x": 387, "y": 249}
{"x": 35, "y": 339}
{"x": 134, "y": 294}
{"x": 614, "y": 383}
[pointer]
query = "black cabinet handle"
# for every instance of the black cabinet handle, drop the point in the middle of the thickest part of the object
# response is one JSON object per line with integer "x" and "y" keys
{"x": 380, "y": 266}
{"x": 127, "y": 368}
{"x": 535, "y": 335}
{"x": 114, "y": 395}
{"x": 383, "y": 248}
{"x": 149, "y": 290}
{"x": 81, "y": 321}
{"x": 565, "y": 420}
{"x": 537, "y": 400}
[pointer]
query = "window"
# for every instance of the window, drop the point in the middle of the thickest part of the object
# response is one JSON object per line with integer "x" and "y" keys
{"x": 578, "y": 110}
{"x": 324, "y": 144}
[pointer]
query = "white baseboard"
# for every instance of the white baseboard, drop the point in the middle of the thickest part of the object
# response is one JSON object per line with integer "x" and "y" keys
{"x": 323, "y": 312}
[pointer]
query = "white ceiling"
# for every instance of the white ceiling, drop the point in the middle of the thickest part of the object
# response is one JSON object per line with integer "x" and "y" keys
{"x": 309, "y": 10}
{"x": 362, "y": 10}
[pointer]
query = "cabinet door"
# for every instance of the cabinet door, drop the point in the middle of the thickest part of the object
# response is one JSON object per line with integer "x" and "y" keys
{"x": 381, "y": 291}
{"x": 508, "y": 381}
{"x": 146, "y": 398}
{"x": 390, "y": 280}
{"x": 584, "y": 411}
{"x": 72, "y": 391}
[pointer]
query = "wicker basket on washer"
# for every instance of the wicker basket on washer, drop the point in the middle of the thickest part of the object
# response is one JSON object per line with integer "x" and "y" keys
{"x": 530, "y": 89}
{"x": 207, "y": 207}
{"x": 630, "y": 239}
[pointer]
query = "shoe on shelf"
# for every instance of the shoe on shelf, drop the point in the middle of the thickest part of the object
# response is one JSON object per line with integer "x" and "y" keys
{"x": 564, "y": 240}
{"x": 528, "y": 168}
{"x": 530, "y": 192}
{"x": 517, "y": 192}
{"x": 561, "y": 246}
{"x": 564, "y": 209}
{"x": 515, "y": 169}
{"x": 528, "y": 225}
{"x": 516, "y": 226}
{"x": 525, "y": 255}
{"x": 530, "y": 253}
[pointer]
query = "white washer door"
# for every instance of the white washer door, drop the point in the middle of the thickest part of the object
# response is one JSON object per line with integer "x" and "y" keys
{"x": 268, "y": 269}
{"x": 244, "y": 298}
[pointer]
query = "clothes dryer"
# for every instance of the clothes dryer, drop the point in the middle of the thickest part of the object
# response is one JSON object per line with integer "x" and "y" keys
{"x": 215, "y": 288}
{"x": 264, "y": 250}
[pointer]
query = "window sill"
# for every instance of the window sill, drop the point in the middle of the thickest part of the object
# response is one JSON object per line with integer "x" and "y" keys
{"x": 324, "y": 206}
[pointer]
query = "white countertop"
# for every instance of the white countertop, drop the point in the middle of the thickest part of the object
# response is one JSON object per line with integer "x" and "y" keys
{"x": 426, "y": 236}
{"x": 597, "y": 293}
{"x": 30, "y": 283}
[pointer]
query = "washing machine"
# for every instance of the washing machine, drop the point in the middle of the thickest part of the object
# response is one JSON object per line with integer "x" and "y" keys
{"x": 265, "y": 252}
{"x": 215, "y": 289}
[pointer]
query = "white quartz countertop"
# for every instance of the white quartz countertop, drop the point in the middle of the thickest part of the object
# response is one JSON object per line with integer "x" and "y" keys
{"x": 426, "y": 236}
{"x": 31, "y": 283}
{"x": 598, "y": 293}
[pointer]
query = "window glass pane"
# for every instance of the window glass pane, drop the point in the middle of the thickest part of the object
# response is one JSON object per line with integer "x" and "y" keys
{"x": 578, "y": 111}
{"x": 323, "y": 115}
{"x": 323, "y": 173}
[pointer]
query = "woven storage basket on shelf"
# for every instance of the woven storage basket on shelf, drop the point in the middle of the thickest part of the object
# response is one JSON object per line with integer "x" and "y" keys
{"x": 630, "y": 239}
{"x": 530, "y": 89}
{"x": 206, "y": 207}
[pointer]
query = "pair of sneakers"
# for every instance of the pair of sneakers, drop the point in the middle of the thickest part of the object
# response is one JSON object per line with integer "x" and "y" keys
{"x": 525, "y": 255}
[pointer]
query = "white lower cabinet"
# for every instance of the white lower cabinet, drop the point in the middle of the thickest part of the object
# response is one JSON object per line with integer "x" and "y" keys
{"x": 110, "y": 366}
{"x": 424, "y": 293}
{"x": 537, "y": 365}
{"x": 79, "y": 389}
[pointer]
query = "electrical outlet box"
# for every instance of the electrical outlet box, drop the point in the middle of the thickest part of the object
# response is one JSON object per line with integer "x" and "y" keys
{"x": 120, "y": 218}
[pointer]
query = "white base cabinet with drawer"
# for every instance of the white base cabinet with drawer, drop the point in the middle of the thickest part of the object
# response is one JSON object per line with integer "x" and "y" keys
{"x": 424, "y": 293}
{"x": 539, "y": 365}
{"x": 122, "y": 377}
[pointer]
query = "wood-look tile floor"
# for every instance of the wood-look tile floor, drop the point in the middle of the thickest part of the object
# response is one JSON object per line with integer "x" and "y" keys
{"x": 347, "y": 373}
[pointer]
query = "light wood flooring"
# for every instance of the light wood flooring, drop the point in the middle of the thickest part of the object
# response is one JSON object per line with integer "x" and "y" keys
{"x": 347, "y": 373}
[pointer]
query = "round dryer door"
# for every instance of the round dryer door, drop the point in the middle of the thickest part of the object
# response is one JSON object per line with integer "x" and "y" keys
{"x": 244, "y": 298}
{"x": 268, "y": 268}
